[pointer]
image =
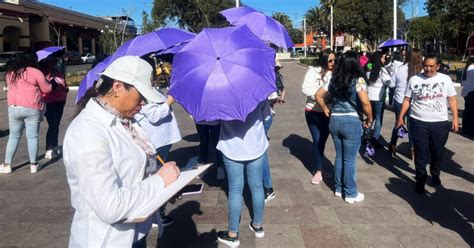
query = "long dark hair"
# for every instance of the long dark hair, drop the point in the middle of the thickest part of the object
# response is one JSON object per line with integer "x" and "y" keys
{"x": 323, "y": 62}
{"x": 93, "y": 91}
{"x": 414, "y": 58}
{"x": 376, "y": 66}
{"x": 469, "y": 62}
{"x": 18, "y": 63}
{"x": 347, "y": 68}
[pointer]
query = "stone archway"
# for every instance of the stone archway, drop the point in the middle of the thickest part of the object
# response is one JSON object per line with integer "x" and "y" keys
{"x": 11, "y": 38}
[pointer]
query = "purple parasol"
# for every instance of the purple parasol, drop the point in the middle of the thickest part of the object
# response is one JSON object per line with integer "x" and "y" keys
{"x": 223, "y": 74}
{"x": 154, "y": 41}
{"x": 392, "y": 43}
{"x": 91, "y": 77}
{"x": 265, "y": 27}
{"x": 44, "y": 53}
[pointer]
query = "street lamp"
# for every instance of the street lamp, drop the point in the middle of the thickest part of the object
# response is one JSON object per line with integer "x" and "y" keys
{"x": 394, "y": 19}
{"x": 236, "y": 3}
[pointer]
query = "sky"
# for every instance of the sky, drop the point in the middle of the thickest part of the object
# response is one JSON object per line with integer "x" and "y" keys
{"x": 295, "y": 9}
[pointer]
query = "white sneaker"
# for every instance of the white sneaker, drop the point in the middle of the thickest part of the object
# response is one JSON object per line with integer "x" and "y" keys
{"x": 338, "y": 194}
{"x": 360, "y": 197}
{"x": 5, "y": 168}
{"x": 48, "y": 154}
{"x": 220, "y": 173}
{"x": 34, "y": 168}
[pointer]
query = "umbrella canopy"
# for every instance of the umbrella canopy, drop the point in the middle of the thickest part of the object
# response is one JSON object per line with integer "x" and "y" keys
{"x": 44, "y": 53}
{"x": 141, "y": 45}
{"x": 265, "y": 27}
{"x": 393, "y": 43}
{"x": 91, "y": 77}
{"x": 223, "y": 74}
{"x": 153, "y": 41}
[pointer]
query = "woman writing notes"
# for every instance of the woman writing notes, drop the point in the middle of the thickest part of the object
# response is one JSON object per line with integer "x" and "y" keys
{"x": 110, "y": 164}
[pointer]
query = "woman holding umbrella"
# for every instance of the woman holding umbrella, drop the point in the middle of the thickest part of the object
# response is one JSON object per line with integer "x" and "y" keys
{"x": 25, "y": 106}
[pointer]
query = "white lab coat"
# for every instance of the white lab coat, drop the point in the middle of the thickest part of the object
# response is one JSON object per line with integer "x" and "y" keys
{"x": 105, "y": 170}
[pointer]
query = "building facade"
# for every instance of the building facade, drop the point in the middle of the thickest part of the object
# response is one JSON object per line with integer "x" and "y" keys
{"x": 29, "y": 24}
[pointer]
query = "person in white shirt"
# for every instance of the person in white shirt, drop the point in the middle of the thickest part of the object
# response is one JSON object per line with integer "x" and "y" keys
{"x": 378, "y": 81}
{"x": 468, "y": 94}
{"x": 244, "y": 147}
{"x": 318, "y": 122}
{"x": 428, "y": 95}
{"x": 110, "y": 165}
{"x": 412, "y": 66}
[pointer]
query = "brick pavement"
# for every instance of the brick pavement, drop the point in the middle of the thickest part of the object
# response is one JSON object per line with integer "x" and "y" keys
{"x": 35, "y": 209}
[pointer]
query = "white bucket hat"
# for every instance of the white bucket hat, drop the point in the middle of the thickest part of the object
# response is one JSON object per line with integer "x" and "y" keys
{"x": 137, "y": 72}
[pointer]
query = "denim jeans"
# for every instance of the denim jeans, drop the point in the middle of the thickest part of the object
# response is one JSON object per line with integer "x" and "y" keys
{"x": 267, "y": 174}
{"x": 19, "y": 118}
{"x": 267, "y": 123}
{"x": 53, "y": 114}
{"x": 377, "y": 109}
{"x": 318, "y": 125}
{"x": 235, "y": 178}
{"x": 429, "y": 139}
{"x": 468, "y": 115}
{"x": 346, "y": 132}
{"x": 208, "y": 133}
{"x": 397, "y": 107}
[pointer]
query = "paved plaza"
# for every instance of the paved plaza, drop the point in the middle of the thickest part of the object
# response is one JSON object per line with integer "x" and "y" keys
{"x": 35, "y": 209}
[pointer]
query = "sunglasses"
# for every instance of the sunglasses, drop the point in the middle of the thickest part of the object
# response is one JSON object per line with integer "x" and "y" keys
{"x": 330, "y": 60}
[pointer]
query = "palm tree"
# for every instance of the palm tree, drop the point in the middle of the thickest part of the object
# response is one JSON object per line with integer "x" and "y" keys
{"x": 317, "y": 20}
{"x": 283, "y": 19}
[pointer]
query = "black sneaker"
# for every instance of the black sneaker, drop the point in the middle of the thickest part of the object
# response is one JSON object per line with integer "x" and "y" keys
{"x": 435, "y": 180}
{"x": 420, "y": 187}
{"x": 166, "y": 221}
{"x": 259, "y": 233}
{"x": 223, "y": 237}
{"x": 269, "y": 194}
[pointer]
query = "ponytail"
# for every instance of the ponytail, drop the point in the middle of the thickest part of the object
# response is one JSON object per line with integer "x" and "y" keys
{"x": 100, "y": 88}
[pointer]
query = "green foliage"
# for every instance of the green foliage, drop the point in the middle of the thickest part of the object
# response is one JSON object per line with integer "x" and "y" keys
{"x": 284, "y": 19}
{"x": 147, "y": 24}
{"x": 317, "y": 20}
{"x": 426, "y": 29}
{"x": 455, "y": 15}
{"x": 308, "y": 61}
{"x": 296, "y": 35}
{"x": 193, "y": 15}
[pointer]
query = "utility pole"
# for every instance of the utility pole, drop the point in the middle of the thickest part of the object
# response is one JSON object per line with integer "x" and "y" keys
{"x": 304, "y": 36}
{"x": 332, "y": 25}
{"x": 394, "y": 19}
{"x": 236, "y": 3}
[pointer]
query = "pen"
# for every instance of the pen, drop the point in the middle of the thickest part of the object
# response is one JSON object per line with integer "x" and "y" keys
{"x": 160, "y": 159}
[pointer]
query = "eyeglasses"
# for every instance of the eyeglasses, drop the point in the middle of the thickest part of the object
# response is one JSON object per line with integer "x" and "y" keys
{"x": 330, "y": 60}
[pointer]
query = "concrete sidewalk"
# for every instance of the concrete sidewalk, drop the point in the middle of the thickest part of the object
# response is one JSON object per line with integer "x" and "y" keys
{"x": 35, "y": 209}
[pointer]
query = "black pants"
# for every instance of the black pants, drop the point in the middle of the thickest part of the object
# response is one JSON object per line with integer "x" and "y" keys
{"x": 208, "y": 133}
{"x": 468, "y": 115}
{"x": 54, "y": 113}
{"x": 429, "y": 139}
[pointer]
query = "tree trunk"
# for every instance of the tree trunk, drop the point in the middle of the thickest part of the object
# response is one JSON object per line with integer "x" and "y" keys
{"x": 467, "y": 44}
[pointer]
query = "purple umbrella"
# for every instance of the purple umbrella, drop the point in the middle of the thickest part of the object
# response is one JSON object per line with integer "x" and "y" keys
{"x": 222, "y": 74}
{"x": 152, "y": 42}
{"x": 393, "y": 43}
{"x": 92, "y": 76}
{"x": 141, "y": 45}
{"x": 44, "y": 53}
{"x": 265, "y": 27}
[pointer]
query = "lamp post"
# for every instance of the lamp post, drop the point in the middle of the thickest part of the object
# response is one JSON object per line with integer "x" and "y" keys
{"x": 236, "y": 3}
{"x": 332, "y": 25}
{"x": 394, "y": 19}
{"x": 304, "y": 36}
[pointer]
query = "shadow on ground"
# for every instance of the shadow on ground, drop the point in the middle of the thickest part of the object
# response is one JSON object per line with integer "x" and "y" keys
{"x": 183, "y": 233}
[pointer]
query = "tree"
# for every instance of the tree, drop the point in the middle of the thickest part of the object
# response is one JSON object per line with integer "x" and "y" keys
{"x": 296, "y": 35}
{"x": 317, "y": 20}
{"x": 284, "y": 19}
{"x": 455, "y": 16}
{"x": 147, "y": 24}
{"x": 193, "y": 15}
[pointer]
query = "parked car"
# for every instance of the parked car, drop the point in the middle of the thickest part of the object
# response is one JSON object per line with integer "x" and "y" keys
{"x": 88, "y": 58}
{"x": 4, "y": 57}
{"x": 72, "y": 58}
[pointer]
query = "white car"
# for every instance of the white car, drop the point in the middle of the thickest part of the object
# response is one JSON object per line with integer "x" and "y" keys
{"x": 88, "y": 58}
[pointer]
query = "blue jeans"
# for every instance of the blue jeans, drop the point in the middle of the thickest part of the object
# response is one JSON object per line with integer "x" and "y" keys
{"x": 267, "y": 175}
{"x": 235, "y": 177}
{"x": 318, "y": 125}
{"x": 19, "y": 118}
{"x": 397, "y": 107}
{"x": 377, "y": 108}
{"x": 429, "y": 139}
{"x": 346, "y": 132}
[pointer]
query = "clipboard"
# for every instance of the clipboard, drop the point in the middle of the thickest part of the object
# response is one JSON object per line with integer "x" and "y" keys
{"x": 184, "y": 178}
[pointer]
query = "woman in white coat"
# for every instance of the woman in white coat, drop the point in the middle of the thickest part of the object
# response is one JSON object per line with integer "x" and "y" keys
{"x": 110, "y": 164}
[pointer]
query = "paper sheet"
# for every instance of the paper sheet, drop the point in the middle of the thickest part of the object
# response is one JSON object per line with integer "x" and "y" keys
{"x": 184, "y": 178}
